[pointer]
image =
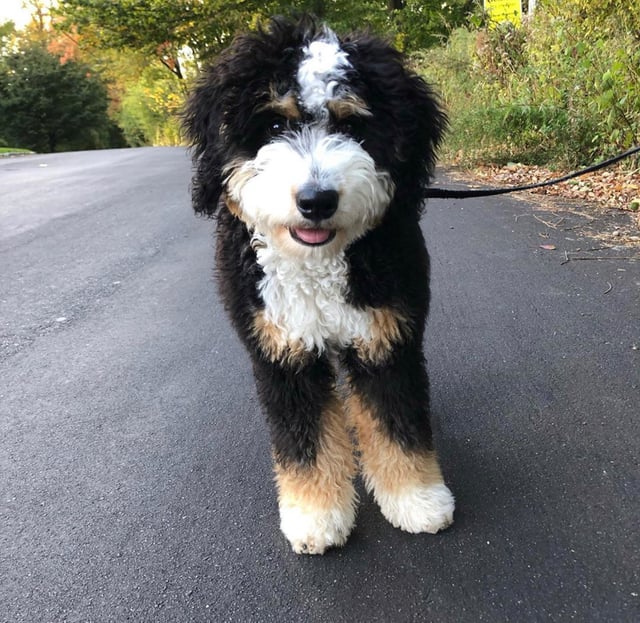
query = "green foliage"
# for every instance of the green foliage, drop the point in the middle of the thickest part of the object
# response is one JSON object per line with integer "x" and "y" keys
{"x": 46, "y": 105}
{"x": 410, "y": 24}
{"x": 159, "y": 28}
{"x": 7, "y": 31}
{"x": 13, "y": 150}
{"x": 185, "y": 34}
{"x": 422, "y": 25}
{"x": 162, "y": 28}
{"x": 148, "y": 113}
{"x": 586, "y": 62}
{"x": 564, "y": 89}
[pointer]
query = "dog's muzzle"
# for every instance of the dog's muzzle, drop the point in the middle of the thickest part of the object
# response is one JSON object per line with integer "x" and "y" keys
{"x": 315, "y": 205}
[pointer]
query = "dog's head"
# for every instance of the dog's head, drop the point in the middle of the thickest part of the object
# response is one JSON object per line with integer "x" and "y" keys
{"x": 311, "y": 139}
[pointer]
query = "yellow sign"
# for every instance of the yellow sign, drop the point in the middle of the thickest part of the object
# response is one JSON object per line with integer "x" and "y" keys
{"x": 504, "y": 11}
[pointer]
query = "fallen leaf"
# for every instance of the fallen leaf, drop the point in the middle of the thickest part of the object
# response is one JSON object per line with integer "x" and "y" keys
{"x": 615, "y": 188}
{"x": 548, "y": 247}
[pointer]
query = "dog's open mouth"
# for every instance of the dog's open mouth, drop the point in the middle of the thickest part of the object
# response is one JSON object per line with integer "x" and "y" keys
{"x": 312, "y": 237}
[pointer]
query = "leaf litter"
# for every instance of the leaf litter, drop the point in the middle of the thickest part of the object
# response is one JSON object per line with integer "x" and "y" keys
{"x": 594, "y": 197}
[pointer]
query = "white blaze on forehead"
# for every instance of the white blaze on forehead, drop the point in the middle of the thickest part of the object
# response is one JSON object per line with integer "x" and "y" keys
{"x": 322, "y": 68}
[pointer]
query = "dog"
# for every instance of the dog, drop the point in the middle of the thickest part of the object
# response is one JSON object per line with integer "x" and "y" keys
{"x": 313, "y": 152}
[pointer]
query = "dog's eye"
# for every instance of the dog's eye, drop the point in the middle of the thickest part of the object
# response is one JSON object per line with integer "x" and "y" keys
{"x": 347, "y": 128}
{"x": 351, "y": 126}
{"x": 277, "y": 127}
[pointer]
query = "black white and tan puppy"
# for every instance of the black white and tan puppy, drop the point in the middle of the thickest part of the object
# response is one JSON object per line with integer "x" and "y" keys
{"x": 314, "y": 151}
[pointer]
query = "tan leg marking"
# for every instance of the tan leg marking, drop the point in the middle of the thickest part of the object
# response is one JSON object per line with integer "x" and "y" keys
{"x": 408, "y": 486}
{"x": 388, "y": 329}
{"x": 384, "y": 460}
{"x": 317, "y": 502}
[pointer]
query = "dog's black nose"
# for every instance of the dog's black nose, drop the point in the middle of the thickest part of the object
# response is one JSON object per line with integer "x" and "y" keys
{"x": 315, "y": 204}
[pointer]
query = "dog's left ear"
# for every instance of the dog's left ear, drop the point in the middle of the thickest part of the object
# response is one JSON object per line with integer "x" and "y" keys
{"x": 202, "y": 124}
{"x": 423, "y": 123}
{"x": 403, "y": 103}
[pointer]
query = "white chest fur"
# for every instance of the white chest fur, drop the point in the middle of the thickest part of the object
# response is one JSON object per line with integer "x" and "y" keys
{"x": 305, "y": 300}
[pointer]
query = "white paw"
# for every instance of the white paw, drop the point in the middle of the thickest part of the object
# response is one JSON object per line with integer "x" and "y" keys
{"x": 312, "y": 532}
{"x": 418, "y": 509}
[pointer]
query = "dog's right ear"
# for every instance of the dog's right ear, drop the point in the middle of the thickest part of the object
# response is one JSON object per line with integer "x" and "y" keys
{"x": 202, "y": 123}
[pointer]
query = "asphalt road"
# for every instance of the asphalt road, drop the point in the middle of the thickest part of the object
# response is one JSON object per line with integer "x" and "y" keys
{"x": 134, "y": 463}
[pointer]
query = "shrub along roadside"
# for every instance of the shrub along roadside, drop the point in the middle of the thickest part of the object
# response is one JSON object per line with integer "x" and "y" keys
{"x": 563, "y": 90}
{"x": 49, "y": 105}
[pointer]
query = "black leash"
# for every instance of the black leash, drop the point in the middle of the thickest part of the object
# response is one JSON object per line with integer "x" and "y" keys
{"x": 447, "y": 193}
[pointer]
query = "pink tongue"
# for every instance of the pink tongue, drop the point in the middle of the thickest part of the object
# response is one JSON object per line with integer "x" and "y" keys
{"x": 313, "y": 236}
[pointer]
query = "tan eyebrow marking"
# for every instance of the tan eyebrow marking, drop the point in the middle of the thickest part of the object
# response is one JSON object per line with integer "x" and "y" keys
{"x": 348, "y": 106}
{"x": 286, "y": 105}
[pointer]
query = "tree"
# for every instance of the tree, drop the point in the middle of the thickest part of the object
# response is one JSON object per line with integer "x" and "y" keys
{"x": 164, "y": 28}
{"x": 160, "y": 28}
{"x": 182, "y": 35}
{"x": 46, "y": 105}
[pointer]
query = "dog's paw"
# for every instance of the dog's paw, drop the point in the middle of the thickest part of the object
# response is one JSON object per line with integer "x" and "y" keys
{"x": 419, "y": 509}
{"x": 313, "y": 532}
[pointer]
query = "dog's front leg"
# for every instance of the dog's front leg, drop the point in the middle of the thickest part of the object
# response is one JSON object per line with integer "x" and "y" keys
{"x": 314, "y": 463}
{"x": 389, "y": 407}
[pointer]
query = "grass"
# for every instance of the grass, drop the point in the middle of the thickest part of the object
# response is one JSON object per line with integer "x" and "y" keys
{"x": 14, "y": 150}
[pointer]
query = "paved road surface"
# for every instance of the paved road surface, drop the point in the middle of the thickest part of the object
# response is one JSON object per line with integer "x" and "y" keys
{"x": 134, "y": 469}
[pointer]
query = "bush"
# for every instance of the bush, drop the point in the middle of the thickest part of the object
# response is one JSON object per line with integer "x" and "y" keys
{"x": 564, "y": 89}
{"x": 50, "y": 105}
